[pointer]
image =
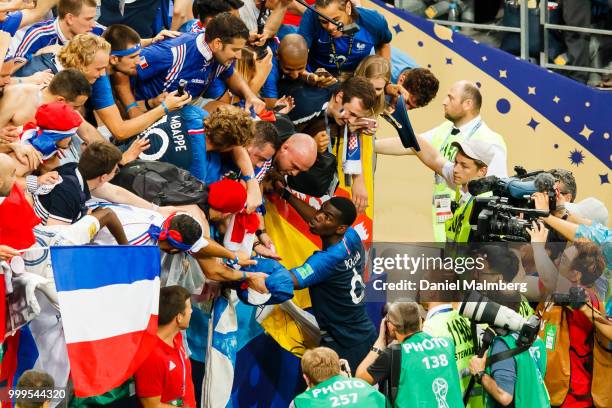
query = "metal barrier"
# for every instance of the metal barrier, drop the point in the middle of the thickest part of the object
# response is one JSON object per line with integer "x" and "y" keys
{"x": 544, "y": 53}
{"x": 524, "y": 36}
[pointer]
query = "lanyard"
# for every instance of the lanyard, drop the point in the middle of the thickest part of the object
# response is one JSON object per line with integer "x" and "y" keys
{"x": 474, "y": 129}
{"x": 333, "y": 50}
{"x": 443, "y": 310}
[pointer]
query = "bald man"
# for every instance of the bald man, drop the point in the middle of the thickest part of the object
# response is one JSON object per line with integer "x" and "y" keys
{"x": 296, "y": 155}
{"x": 290, "y": 65}
{"x": 462, "y": 110}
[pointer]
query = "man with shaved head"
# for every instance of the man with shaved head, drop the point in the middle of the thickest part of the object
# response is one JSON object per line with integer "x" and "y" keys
{"x": 462, "y": 111}
{"x": 289, "y": 67}
{"x": 296, "y": 155}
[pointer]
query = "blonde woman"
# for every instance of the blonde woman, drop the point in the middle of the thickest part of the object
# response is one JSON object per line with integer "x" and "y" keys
{"x": 90, "y": 54}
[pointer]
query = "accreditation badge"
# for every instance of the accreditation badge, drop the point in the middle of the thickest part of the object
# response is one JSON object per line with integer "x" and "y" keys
{"x": 550, "y": 335}
{"x": 442, "y": 205}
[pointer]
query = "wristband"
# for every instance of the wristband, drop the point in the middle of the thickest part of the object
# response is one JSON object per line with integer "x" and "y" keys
{"x": 376, "y": 350}
{"x": 130, "y": 106}
{"x": 259, "y": 232}
{"x": 478, "y": 376}
{"x": 243, "y": 275}
{"x": 246, "y": 177}
{"x": 163, "y": 105}
{"x": 146, "y": 103}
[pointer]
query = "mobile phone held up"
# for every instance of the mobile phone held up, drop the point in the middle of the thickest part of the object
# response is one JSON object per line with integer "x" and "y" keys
{"x": 180, "y": 91}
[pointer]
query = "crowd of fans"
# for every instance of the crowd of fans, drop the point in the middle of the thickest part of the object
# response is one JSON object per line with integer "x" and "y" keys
{"x": 564, "y": 47}
{"x": 257, "y": 100}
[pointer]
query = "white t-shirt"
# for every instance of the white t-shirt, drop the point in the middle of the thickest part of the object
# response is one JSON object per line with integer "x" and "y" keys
{"x": 498, "y": 165}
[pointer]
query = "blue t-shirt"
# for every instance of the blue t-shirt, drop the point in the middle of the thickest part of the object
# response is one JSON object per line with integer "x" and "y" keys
{"x": 334, "y": 277}
{"x": 179, "y": 138}
{"x": 45, "y": 33}
{"x": 102, "y": 93}
{"x": 12, "y": 22}
{"x": 349, "y": 51}
{"x": 187, "y": 57}
{"x": 400, "y": 61}
{"x": 504, "y": 371}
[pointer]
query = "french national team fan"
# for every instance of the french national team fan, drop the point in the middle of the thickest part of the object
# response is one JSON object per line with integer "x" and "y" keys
{"x": 73, "y": 17}
{"x": 336, "y": 51}
{"x": 198, "y": 59}
{"x": 90, "y": 54}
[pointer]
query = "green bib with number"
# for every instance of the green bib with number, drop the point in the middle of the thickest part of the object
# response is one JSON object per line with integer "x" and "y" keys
{"x": 341, "y": 391}
{"x": 429, "y": 376}
{"x": 456, "y": 327}
{"x": 529, "y": 389}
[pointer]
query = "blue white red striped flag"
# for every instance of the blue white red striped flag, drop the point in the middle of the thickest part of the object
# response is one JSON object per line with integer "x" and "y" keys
{"x": 109, "y": 299}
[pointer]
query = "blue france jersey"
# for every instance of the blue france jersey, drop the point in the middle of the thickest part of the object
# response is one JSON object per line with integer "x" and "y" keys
{"x": 337, "y": 290}
{"x": 187, "y": 57}
{"x": 12, "y": 22}
{"x": 45, "y": 33}
{"x": 349, "y": 51}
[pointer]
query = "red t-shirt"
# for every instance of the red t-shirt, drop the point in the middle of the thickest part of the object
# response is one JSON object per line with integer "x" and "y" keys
{"x": 294, "y": 19}
{"x": 166, "y": 373}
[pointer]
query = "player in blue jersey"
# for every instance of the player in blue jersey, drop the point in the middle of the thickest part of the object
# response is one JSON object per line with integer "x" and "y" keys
{"x": 334, "y": 277}
{"x": 335, "y": 51}
{"x": 74, "y": 17}
{"x": 15, "y": 14}
{"x": 198, "y": 59}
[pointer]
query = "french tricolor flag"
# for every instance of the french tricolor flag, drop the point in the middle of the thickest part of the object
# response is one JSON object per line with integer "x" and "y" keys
{"x": 108, "y": 299}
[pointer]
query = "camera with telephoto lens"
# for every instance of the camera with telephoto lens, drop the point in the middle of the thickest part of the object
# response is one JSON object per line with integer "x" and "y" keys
{"x": 575, "y": 298}
{"x": 479, "y": 308}
{"x": 506, "y": 215}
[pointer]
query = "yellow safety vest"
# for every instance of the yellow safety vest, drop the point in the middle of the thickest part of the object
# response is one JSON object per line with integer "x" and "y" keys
{"x": 442, "y": 140}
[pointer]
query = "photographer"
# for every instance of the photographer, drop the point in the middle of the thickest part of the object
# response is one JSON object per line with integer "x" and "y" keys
{"x": 428, "y": 374}
{"x": 328, "y": 384}
{"x": 515, "y": 381}
{"x": 572, "y": 323}
{"x": 471, "y": 162}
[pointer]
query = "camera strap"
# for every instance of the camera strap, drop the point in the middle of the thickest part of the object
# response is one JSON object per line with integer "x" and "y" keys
{"x": 504, "y": 355}
{"x": 396, "y": 369}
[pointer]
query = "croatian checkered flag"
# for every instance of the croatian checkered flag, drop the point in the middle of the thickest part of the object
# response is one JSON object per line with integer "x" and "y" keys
{"x": 351, "y": 153}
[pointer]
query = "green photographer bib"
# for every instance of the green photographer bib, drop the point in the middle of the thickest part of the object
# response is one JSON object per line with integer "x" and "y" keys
{"x": 452, "y": 325}
{"x": 429, "y": 375}
{"x": 340, "y": 391}
{"x": 529, "y": 389}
